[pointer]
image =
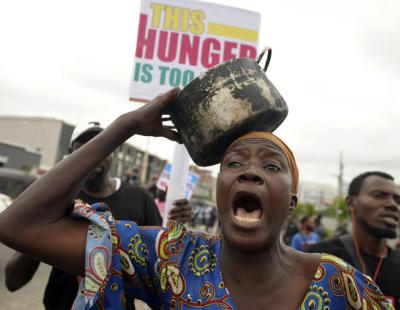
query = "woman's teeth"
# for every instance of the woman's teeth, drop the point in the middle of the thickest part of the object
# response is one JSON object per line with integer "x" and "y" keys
{"x": 244, "y": 216}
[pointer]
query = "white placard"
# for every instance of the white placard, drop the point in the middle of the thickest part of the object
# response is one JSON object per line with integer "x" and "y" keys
{"x": 163, "y": 181}
{"x": 179, "y": 39}
{"x": 178, "y": 178}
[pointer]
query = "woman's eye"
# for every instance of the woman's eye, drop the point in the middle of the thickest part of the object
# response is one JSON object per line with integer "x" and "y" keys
{"x": 272, "y": 167}
{"x": 234, "y": 164}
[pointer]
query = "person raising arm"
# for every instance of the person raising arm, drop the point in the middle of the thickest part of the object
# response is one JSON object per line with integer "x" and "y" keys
{"x": 38, "y": 222}
{"x": 248, "y": 267}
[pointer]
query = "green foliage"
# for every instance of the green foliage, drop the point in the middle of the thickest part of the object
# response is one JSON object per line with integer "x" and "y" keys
{"x": 304, "y": 209}
{"x": 337, "y": 210}
{"x": 329, "y": 232}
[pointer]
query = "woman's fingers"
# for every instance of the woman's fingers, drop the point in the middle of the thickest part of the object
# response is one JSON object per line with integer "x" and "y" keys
{"x": 181, "y": 210}
{"x": 148, "y": 120}
{"x": 169, "y": 126}
{"x": 181, "y": 202}
{"x": 171, "y": 134}
{"x": 166, "y": 98}
{"x": 180, "y": 213}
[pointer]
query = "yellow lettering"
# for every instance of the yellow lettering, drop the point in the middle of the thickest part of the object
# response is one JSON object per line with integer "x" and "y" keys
{"x": 157, "y": 9}
{"x": 177, "y": 19}
{"x": 171, "y": 18}
{"x": 197, "y": 26}
{"x": 185, "y": 20}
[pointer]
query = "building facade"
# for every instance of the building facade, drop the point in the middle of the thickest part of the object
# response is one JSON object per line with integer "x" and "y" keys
{"x": 206, "y": 188}
{"x": 320, "y": 195}
{"x": 130, "y": 158}
{"x": 46, "y": 136}
{"x": 18, "y": 157}
{"x": 48, "y": 139}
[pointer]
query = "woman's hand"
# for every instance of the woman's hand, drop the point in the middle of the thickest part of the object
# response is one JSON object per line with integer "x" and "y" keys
{"x": 40, "y": 214}
{"x": 181, "y": 212}
{"x": 148, "y": 120}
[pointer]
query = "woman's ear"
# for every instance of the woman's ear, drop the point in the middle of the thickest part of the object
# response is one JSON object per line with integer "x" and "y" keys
{"x": 293, "y": 200}
{"x": 293, "y": 204}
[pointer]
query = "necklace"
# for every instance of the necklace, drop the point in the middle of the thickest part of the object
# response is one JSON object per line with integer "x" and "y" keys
{"x": 360, "y": 259}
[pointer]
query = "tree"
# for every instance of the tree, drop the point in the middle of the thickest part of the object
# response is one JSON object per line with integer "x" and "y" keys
{"x": 304, "y": 209}
{"x": 338, "y": 210}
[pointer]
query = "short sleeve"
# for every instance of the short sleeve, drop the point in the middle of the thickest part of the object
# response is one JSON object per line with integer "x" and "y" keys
{"x": 120, "y": 262}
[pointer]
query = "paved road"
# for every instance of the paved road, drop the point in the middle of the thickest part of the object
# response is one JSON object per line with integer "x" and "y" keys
{"x": 30, "y": 296}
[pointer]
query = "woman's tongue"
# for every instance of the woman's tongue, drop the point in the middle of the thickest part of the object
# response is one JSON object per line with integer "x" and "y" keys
{"x": 243, "y": 215}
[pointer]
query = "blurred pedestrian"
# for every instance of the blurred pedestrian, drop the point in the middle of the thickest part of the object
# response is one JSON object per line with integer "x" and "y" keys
{"x": 290, "y": 231}
{"x": 209, "y": 217}
{"x": 152, "y": 189}
{"x": 131, "y": 177}
{"x": 319, "y": 228}
{"x": 306, "y": 235}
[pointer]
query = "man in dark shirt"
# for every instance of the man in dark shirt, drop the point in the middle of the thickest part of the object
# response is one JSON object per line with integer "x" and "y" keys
{"x": 374, "y": 202}
{"x": 126, "y": 202}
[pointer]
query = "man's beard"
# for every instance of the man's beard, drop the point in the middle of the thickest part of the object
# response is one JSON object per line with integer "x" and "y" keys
{"x": 94, "y": 182}
{"x": 380, "y": 233}
{"x": 309, "y": 228}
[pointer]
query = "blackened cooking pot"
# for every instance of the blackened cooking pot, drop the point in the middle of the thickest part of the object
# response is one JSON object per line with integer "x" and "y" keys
{"x": 224, "y": 103}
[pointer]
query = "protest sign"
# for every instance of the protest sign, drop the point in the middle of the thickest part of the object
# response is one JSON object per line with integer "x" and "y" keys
{"x": 179, "y": 39}
{"x": 190, "y": 185}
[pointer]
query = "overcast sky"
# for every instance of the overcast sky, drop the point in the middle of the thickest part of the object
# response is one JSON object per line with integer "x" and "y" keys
{"x": 336, "y": 63}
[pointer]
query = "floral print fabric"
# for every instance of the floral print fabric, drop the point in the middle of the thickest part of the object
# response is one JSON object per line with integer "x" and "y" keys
{"x": 172, "y": 268}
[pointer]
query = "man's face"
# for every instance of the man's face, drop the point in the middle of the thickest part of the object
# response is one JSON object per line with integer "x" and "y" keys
{"x": 377, "y": 207}
{"x": 253, "y": 194}
{"x": 100, "y": 172}
{"x": 309, "y": 224}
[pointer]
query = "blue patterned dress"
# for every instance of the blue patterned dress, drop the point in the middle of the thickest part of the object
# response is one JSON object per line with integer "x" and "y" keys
{"x": 172, "y": 268}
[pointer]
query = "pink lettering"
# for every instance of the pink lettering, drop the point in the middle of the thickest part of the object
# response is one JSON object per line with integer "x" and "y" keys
{"x": 143, "y": 42}
{"x": 247, "y": 51}
{"x": 228, "y": 47}
{"x": 209, "y": 59}
{"x": 189, "y": 50}
{"x": 167, "y": 50}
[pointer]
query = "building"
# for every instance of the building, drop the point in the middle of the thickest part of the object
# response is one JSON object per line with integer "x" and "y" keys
{"x": 47, "y": 136}
{"x": 320, "y": 195}
{"x": 49, "y": 139}
{"x": 206, "y": 187}
{"x": 18, "y": 157}
{"x": 128, "y": 157}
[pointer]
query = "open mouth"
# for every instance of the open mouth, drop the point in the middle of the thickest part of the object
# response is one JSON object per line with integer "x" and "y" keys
{"x": 247, "y": 208}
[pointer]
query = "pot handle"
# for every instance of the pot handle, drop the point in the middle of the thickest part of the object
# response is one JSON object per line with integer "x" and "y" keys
{"x": 267, "y": 50}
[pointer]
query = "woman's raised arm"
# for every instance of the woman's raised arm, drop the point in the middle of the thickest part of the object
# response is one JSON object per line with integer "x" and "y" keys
{"x": 38, "y": 222}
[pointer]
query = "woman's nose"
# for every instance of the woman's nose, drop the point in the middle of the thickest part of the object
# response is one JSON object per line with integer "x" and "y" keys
{"x": 250, "y": 176}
